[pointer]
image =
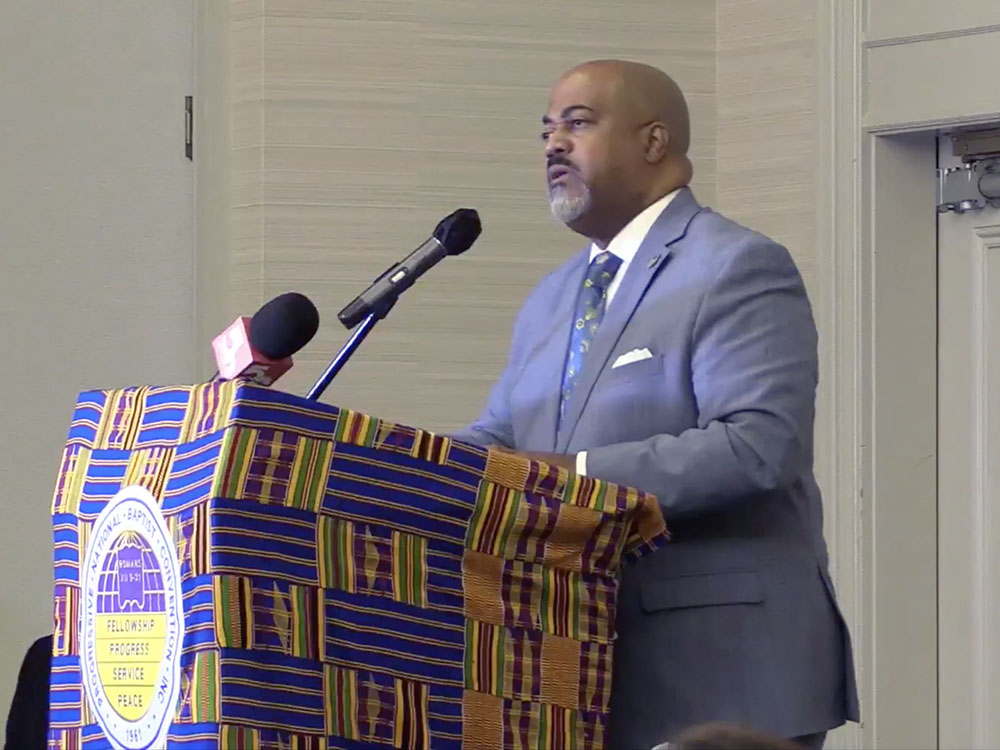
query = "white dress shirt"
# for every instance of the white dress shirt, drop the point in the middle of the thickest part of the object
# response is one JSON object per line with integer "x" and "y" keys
{"x": 625, "y": 245}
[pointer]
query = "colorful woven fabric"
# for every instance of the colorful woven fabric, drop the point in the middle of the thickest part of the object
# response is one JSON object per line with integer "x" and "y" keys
{"x": 346, "y": 582}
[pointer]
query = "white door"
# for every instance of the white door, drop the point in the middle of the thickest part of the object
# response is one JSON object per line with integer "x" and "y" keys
{"x": 96, "y": 249}
{"x": 968, "y": 475}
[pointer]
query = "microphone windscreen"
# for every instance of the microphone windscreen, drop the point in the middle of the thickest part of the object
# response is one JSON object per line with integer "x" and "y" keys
{"x": 284, "y": 325}
{"x": 458, "y": 230}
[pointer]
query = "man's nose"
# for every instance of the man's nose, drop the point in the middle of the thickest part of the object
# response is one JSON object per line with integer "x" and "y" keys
{"x": 558, "y": 143}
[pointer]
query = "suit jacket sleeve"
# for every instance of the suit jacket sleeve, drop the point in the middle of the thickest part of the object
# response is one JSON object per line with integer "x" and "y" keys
{"x": 493, "y": 426}
{"x": 754, "y": 374}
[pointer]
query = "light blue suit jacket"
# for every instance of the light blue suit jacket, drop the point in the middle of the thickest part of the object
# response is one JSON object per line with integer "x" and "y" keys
{"x": 736, "y": 618}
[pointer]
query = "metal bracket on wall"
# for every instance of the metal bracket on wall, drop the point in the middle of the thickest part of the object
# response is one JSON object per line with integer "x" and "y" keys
{"x": 976, "y": 183}
{"x": 189, "y": 127}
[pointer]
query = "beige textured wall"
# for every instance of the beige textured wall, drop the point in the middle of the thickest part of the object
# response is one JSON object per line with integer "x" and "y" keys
{"x": 96, "y": 224}
{"x": 357, "y": 125}
{"x": 766, "y": 176}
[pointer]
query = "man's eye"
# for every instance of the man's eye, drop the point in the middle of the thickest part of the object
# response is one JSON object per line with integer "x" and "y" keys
{"x": 546, "y": 134}
{"x": 577, "y": 123}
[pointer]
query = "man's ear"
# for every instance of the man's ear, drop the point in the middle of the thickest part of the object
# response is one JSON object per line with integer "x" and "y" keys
{"x": 657, "y": 143}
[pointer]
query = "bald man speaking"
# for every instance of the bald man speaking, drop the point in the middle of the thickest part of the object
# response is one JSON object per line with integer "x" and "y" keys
{"x": 677, "y": 354}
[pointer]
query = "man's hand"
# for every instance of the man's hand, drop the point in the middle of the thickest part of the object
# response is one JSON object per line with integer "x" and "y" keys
{"x": 552, "y": 459}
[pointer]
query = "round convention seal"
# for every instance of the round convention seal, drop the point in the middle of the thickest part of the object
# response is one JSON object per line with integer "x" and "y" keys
{"x": 131, "y": 621}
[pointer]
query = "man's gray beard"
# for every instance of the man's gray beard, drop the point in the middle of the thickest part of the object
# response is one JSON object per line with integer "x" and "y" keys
{"x": 567, "y": 208}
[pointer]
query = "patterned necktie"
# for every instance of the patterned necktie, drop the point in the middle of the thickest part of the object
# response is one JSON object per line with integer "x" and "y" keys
{"x": 590, "y": 306}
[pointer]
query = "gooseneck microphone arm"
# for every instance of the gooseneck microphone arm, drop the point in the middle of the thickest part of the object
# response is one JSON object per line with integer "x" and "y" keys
{"x": 453, "y": 235}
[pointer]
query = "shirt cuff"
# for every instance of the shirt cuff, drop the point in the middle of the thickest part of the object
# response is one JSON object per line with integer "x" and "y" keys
{"x": 581, "y": 463}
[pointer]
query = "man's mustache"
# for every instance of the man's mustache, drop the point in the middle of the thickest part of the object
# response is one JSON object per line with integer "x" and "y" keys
{"x": 559, "y": 161}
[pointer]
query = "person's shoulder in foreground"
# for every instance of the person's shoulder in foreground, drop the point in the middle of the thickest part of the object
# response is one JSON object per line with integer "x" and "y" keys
{"x": 27, "y": 722}
{"x": 725, "y": 736}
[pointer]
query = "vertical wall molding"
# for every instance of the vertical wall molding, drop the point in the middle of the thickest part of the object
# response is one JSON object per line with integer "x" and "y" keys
{"x": 839, "y": 252}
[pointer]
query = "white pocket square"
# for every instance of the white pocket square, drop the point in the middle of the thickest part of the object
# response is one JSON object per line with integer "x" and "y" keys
{"x": 636, "y": 355}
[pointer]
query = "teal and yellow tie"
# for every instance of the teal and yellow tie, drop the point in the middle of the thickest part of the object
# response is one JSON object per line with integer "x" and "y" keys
{"x": 587, "y": 318}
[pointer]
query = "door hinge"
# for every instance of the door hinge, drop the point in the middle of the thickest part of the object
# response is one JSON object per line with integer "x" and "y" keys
{"x": 189, "y": 127}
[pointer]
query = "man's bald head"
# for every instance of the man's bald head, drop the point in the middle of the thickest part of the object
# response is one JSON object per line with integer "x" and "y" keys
{"x": 647, "y": 93}
{"x": 617, "y": 135}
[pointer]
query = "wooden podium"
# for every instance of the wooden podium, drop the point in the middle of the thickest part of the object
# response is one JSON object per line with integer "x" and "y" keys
{"x": 239, "y": 567}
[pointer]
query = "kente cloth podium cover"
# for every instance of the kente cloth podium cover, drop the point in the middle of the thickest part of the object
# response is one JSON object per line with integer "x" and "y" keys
{"x": 238, "y": 567}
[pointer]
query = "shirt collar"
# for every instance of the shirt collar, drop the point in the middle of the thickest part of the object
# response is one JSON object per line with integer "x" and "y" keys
{"x": 626, "y": 243}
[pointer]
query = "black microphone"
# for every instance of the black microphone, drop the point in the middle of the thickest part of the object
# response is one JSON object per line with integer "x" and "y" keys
{"x": 453, "y": 235}
{"x": 260, "y": 348}
{"x": 284, "y": 325}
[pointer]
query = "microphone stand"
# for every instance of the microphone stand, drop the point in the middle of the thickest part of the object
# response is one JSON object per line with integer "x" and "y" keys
{"x": 338, "y": 362}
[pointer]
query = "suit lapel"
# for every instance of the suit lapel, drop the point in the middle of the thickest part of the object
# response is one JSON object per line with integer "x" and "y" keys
{"x": 651, "y": 256}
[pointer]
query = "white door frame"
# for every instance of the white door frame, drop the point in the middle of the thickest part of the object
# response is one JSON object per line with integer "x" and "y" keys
{"x": 877, "y": 239}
